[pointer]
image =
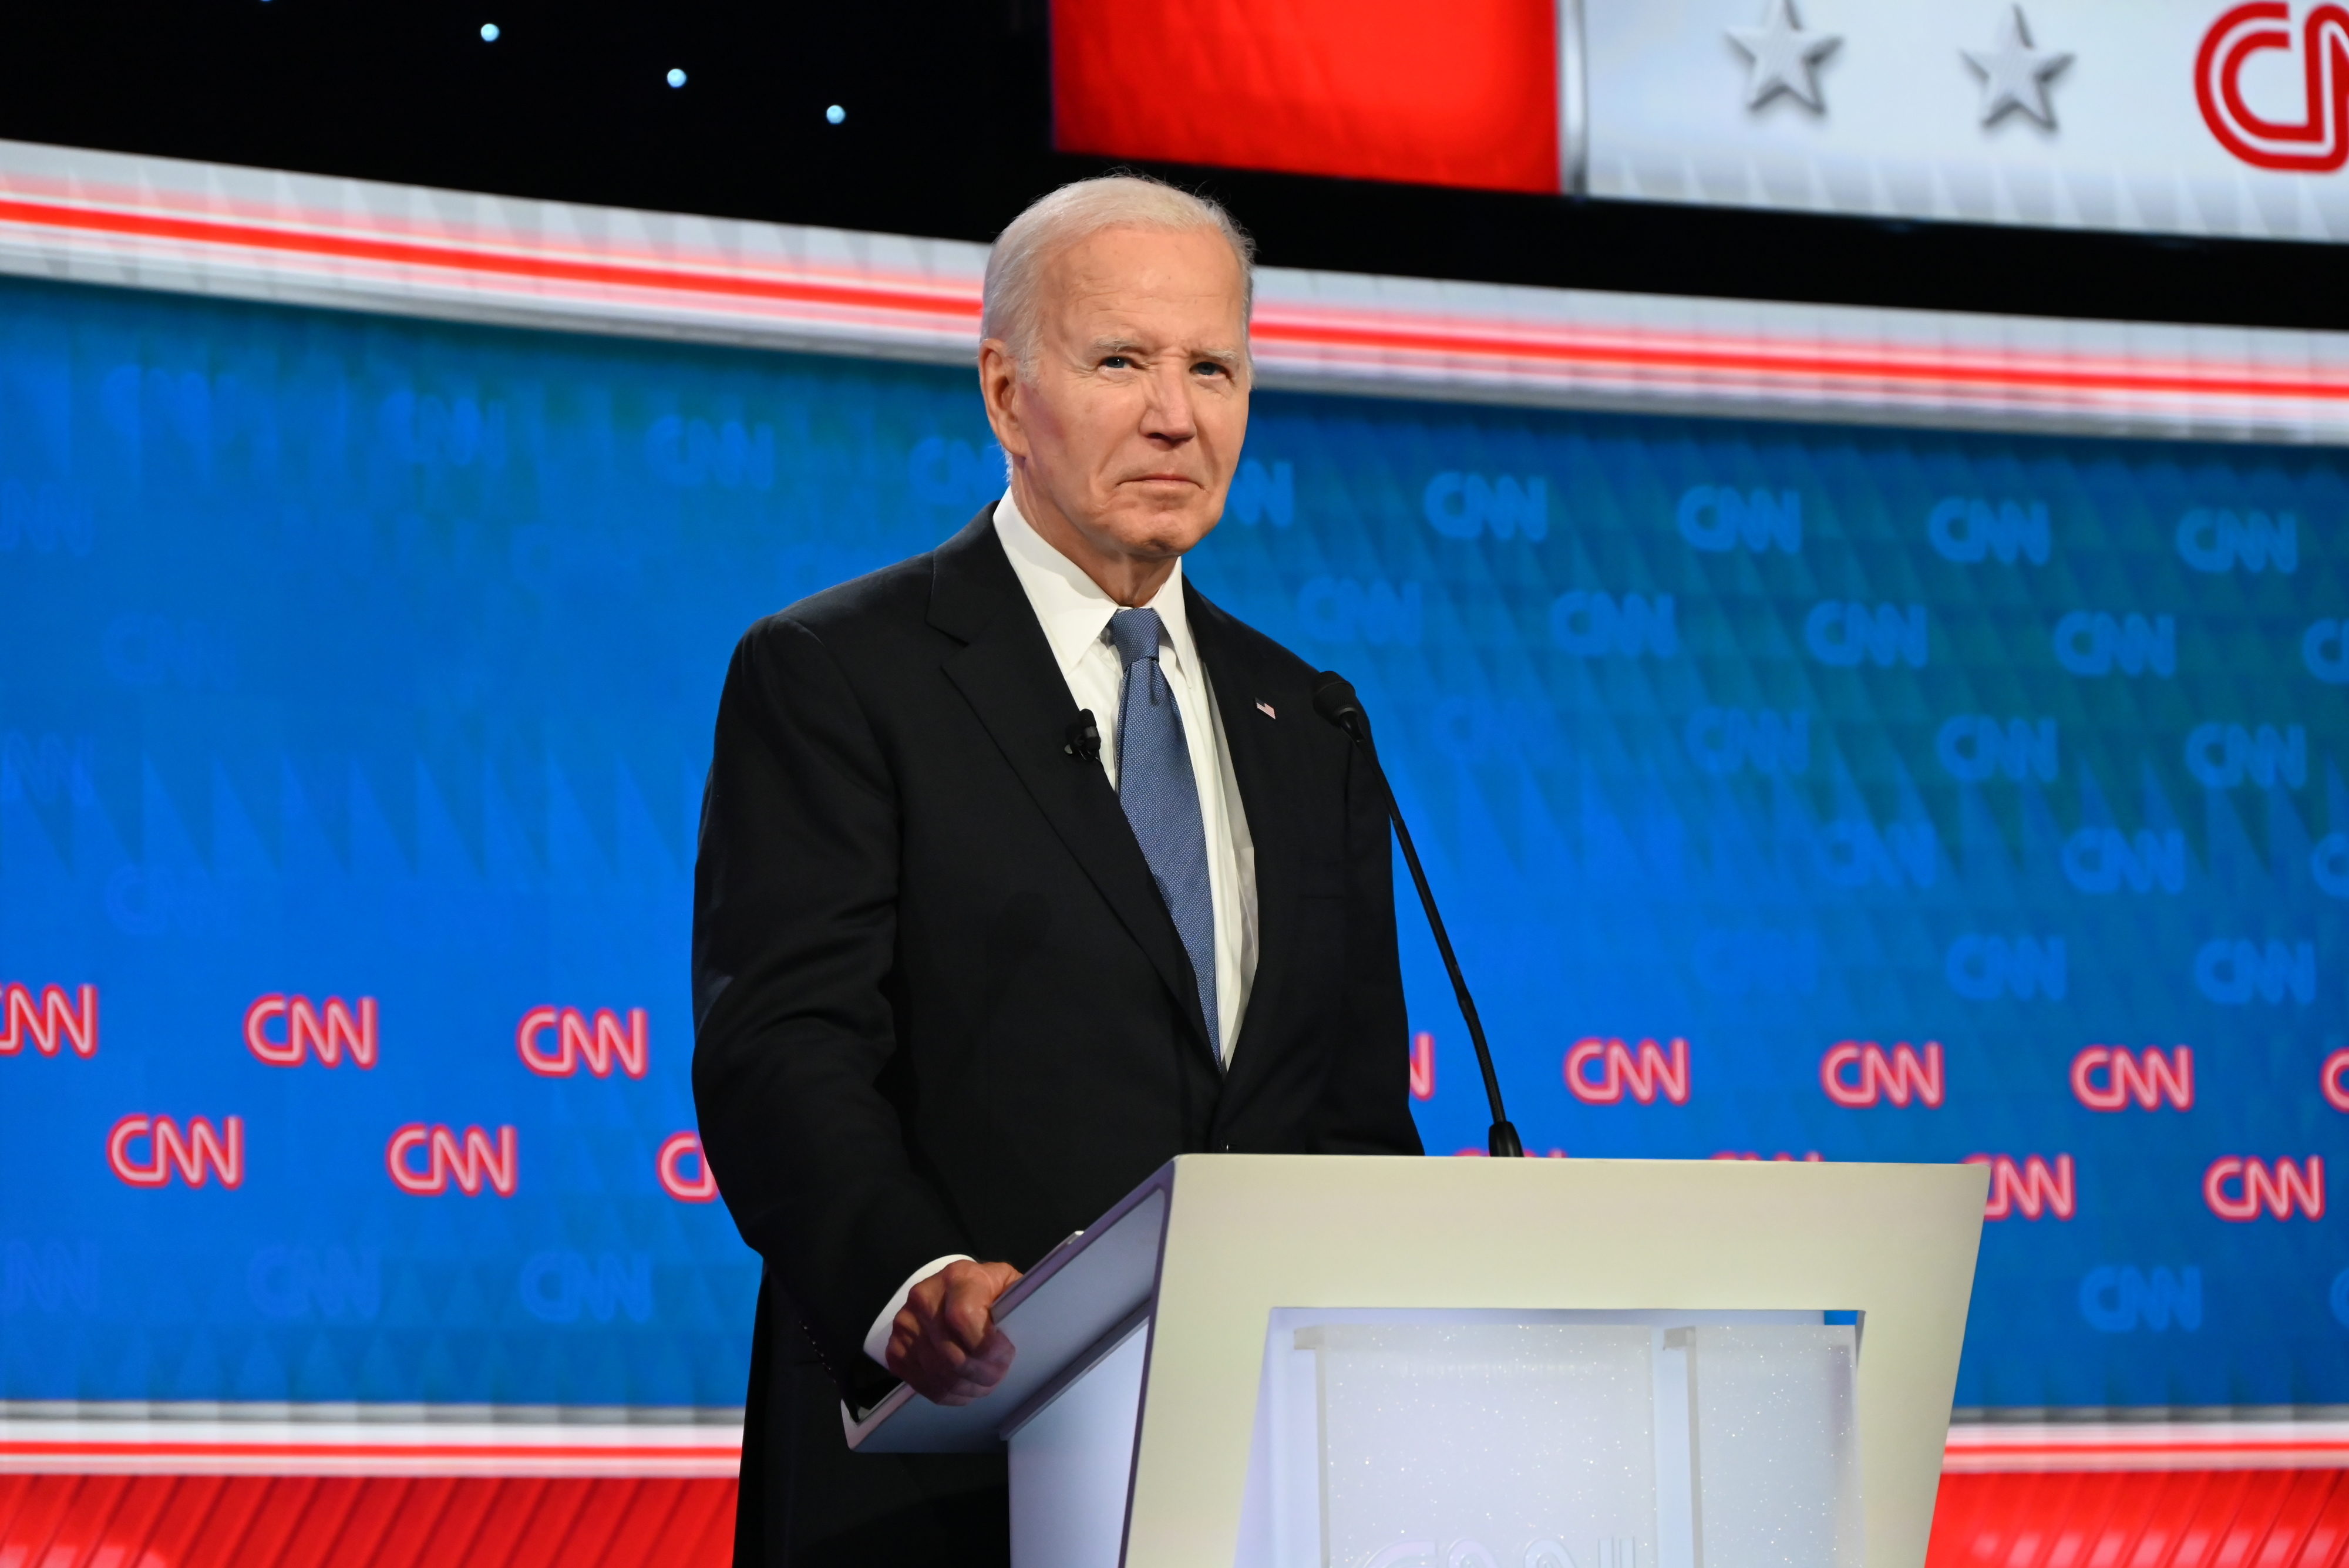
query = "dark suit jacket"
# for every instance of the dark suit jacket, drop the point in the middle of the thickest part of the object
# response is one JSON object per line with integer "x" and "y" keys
{"x": 941, "y": 1006}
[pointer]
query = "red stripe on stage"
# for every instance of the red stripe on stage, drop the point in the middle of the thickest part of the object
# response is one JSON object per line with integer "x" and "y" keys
{"x": 2225, "y": 1448}
{"x": 1722, "y": 356}
{"x": 26, "y": 1452}
{"x": 327, "y": 243}
{"x": 303, "y": 1521}
{"x": 2181, "y": 1519}
{"x": 2177, "y": 1518}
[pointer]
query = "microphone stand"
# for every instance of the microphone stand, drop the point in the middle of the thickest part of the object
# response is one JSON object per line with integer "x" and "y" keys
{"x": 1334, "y": 700}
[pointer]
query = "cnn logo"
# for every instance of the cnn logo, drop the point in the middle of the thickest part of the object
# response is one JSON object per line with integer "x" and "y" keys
{"x": 597, "y": 1043}
{"x": 302, "y": 1029}
{"x": 49, "y": 1023}
{"x": 2333, "y": 1078}
{"x": 669, "y": 1167}
{"x": 1857, "y": 1073}
{"x": 2033, "y": 1188}
{"x": 469, "y": 1162}
{"x": 1650, "y": 1071}
{"x": 149, "y": 1151}
{"x": 2239, "y": 1188}
{"x": 2107, "y": 1079}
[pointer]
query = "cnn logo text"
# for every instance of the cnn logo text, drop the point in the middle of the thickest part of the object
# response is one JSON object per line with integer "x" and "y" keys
{"x": 281, "y": 1030}
{"x": 577, "y": 1040}
{"x": 1857, "y": 1073}
{"x": 149, "y": 1151}
{"x": 470, "y": 1161}
{"x": 51, "y": 1023}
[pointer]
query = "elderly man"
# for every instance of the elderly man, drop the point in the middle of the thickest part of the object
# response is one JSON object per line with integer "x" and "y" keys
{"x": 1024, "y": 868}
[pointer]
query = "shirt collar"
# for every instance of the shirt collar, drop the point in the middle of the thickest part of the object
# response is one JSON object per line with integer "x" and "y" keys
{"x": 1072, "y": 608}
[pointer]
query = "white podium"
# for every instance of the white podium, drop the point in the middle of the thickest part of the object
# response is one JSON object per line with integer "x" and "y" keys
{"x": 1295, "y": 1362}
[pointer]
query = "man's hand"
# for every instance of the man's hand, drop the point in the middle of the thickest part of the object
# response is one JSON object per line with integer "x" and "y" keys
{"x": 943, "y": 1340}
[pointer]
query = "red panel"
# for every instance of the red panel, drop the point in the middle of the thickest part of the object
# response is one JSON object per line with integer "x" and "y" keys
{"x": 555, "y": 1535}
{"x": 705, "y": 1527}
{"x": 510, "y": 1521}
{"x": 296, "y": 1522}
{"x": 191, "y": 1508}
{"x": 2180, "y": 1519}
{"x": 603, "y": 1517}
{"x": 412, "y": 1524}
{"x": 275, "y": 1534}
{"x": 643, "y": 1528}
{"x": 36, "y": 1509}
{"x": 1464, "y": 93}
{"x": 2183, "y": 1519}
{"x": 326, "y": 1525}
{"x": 372, "y": 1519}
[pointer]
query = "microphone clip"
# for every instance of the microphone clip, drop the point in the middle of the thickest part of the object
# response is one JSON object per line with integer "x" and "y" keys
{"x": 1083, "y": 738}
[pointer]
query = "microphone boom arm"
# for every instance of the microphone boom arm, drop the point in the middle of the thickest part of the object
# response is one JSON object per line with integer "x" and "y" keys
{"x": 1334, "y": 700}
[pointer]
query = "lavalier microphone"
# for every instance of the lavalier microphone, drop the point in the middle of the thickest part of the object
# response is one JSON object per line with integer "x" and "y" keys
{"x": 1083, "y": 738}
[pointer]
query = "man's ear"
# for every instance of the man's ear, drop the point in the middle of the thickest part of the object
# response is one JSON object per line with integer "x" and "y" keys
{"x": 999, "y": 390}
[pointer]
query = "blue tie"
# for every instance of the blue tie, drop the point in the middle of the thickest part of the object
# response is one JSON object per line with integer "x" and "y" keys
{"x": 1156, "y": 786}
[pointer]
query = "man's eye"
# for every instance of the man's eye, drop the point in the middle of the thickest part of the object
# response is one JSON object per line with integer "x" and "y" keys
{"x": 1207, "y": 368}
{"x": 1117, "y": 362}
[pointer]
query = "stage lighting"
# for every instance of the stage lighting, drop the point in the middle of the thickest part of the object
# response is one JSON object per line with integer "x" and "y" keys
{"x": 835, "y": 114}
{"x": 489, "y": 32}
{"x": 675, "y": 77}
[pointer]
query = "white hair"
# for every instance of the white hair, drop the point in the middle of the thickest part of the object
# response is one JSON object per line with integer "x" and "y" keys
{"x": 1015, "y": 267}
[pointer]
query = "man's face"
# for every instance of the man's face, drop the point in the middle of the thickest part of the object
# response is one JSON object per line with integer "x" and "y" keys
{"x": 1132, "y": 423}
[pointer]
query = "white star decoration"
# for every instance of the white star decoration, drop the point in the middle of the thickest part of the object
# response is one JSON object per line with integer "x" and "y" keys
{"x": 2015, "y": 75}
{"x": 1784, "y": 57}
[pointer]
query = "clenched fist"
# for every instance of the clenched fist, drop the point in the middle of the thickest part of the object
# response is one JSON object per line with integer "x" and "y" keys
{"x": 944, "y": 1342}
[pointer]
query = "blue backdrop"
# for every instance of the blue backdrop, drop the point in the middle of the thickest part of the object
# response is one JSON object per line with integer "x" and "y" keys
{"x": 1794, "y": 791}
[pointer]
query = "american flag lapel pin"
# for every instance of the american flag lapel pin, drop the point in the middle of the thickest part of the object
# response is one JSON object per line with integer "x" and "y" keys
{"x": 1265, "y": 709}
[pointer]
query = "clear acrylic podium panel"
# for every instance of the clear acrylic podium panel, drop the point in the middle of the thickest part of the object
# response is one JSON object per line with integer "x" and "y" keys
{"x": 1463, "y": 1438}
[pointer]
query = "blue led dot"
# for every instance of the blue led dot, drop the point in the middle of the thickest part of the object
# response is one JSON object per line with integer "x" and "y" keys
{"x": 675, "y": 77}
{"x": 835, "y": 114}
{"x": 489, "y": 32}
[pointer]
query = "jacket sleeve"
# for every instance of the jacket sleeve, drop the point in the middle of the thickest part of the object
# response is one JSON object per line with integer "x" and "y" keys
{"x": 1367, "y": 1107}
{"x": 794, "y": 934}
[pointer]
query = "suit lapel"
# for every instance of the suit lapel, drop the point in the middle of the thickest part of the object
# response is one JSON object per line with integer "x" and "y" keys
{"x": 1007, "y": 673}
{"x": 1258, "y": 746}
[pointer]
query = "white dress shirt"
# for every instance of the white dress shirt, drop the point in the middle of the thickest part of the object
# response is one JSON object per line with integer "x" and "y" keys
{"x": 1075, "y": 614}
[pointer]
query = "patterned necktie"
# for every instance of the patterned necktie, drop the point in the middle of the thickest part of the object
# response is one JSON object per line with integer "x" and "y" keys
{"x": 1160, "y": 797}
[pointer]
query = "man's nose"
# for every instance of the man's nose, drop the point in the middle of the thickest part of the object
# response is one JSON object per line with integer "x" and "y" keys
{"x": 1168, "y": 415}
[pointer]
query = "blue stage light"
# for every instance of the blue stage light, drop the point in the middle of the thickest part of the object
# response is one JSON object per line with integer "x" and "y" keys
{"x": 835, "y": 114}
{"x": 675, "y": 77}
{"x": 489, "y": 32}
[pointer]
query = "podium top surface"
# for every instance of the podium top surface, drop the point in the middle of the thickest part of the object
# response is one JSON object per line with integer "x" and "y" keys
{"x": 1512, "y": 1231}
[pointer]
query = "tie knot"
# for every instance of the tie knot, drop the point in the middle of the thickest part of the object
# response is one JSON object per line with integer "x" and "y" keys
{"x": 1137, "y": 633}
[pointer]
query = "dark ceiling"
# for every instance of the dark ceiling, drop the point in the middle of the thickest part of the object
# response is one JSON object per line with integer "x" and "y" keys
{"x": 947, "y": 131}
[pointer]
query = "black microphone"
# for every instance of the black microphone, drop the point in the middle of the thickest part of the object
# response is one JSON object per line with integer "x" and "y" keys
{"x": 1334, "y": 700}
{"x": 1083, "y": 738}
